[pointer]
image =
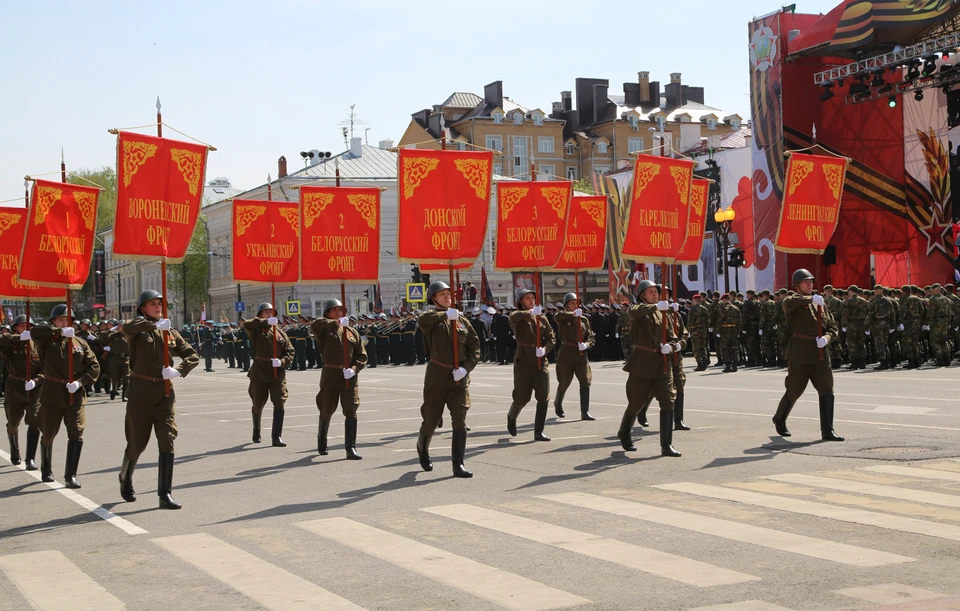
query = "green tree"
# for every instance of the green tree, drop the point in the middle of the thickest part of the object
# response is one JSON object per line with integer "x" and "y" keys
{"x": 190, "y": 280}
{"x": 584, "y": 185}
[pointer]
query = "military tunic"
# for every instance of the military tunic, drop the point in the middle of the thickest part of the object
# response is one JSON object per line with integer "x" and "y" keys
{"x": 328, "y": 336}
{"x": 571, "y": 361}
{"x": 18, "y": 403}
{"x": 804, "y": 362}
{"x": 646, "y": 363}
{"x": 55, "y": 406}
{"x": 439, "y": 387}
{"x": 264, "y": 383}
{"x": 531, "y": 376}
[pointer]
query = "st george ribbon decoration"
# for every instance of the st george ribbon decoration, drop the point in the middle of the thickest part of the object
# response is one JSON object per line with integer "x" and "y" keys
{"x": 811, "y": 203}
{"x": 585, "y": 245}
{"x": 657, "y": 218}
{"x": 531, "y": 224}
{"x": 444, "y": 202}
{"x": 159, "y": 194}
{"x": 266, "y": 242}
{"x": 690, "y": 253}
{"x": 13, "y": 226}
{"x": 340, "y": 240}
{"x": 58, "y": 244}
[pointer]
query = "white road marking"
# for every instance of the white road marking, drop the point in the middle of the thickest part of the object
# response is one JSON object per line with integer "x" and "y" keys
{"x": 892, "y": 492}
{"x": 51, "y": 582}
{"x": 269, "y": 585}
{"x": 745, "y": 533}
{"x": 503, "y": 588}
{"x": 889, "y": 593}
{"x": 821, "y": 510}
{"x": 746, "y": 605}
{"x": 511, "y": 440}
{"x": 947, "y": 476}
{"x": 904, "y": 410}
{"x": 662, "y": 564}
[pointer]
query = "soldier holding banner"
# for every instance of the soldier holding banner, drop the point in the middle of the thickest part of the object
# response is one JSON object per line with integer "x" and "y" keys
{"x": 19, "y": 402}
{"x": 576, "y": 338}
{"x": 531, "y": 373}
{"x": 268, "y": 375}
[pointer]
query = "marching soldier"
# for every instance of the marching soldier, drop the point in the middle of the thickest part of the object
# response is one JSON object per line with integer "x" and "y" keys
{"x": 93, "y": 338}
{"x": 676, "y": 362}
{"x": 443, "y": 383}
{"x": 751, "y": 328}
{"x": 881, "y": 321}
{"x": 835, "y": 305}
{"x": 150, "y": 407}
{"x": 807, "y": 361}
{"x": 729, "y": 321}
{"x": 118, "y": 363}
{"x": 501, "y": 332}
{"x": 243, "y": 350}
{"x": 623, "y": 332}
{"x": 767, "y": 331}
{"x": 914, "y": 312}
{"x": 338, "y": 380}
{"x": 940, "y": 316}
{"x": 58, "y": 347}
{"x": 531, "y": 373}
{"x": 407, "y": 339}
{"x": 699, "y": 319}
{"x": 21, "y": 396}
{"x": 573, "y": 330}
{"x": 207, "y": 341}
{"x": 854, "y": 325}
{"x": 268, "y": 375}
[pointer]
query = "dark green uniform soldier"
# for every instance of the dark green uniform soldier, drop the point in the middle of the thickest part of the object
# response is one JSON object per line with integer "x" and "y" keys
{"x": 853, "y": 324}
{"x": 835, "y": 305}
{"x": 807, "y": 361}
{"x": 150, "y": 406}
{"x": 268, "y": 373}
{"x": 62, "y": 400}
{"x": 338, "y": 380}
{"x": 118, "y": 361}
{"x": 531, "y": 371}
{"x": 881, "y": 322}
{"x": 751, "y": 329}
{"x": 730, "y": 323}
{"x": 767, "y": 332}
{"x": 781, "y": 328}
{"x": 576, "y": 338}
{"x": 699, "y": 320}
{"x": 647, "y": 373}
{"x": 21, "y": 396}
{"x": 914, "y": 312}
{"x": 446, "y": 381}
{"x": 941, "y": 317}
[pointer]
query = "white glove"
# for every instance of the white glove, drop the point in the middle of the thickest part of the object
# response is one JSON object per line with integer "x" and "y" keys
{"x": 718, "y": 335}
{"x": 901, "y": 327}
{"x": 578, "y": 312}
{"x": 866, "y": 332}
{"x": 25, "y": 336}
{"x": 348, "y": 373}
{"x": 276, "y": 363}
{"x": 761, "y": 331}
{"x": 822, "y": 342}
{"x": 73, "y": 387}
{"x": 30, "y": 385}
{"x": 163, "y": 324}
{"x": 91, "y": 337}
{"x": 583, "y": 347}
{"x": 459, "y": 373}
{"x": 844, "y": 329}
{"x": 892, "y": 330}
{"x": 675, "y": 306}
{"x": 114, "y": 328}
{"x": 272, "y": 321}
{"x": 541, "y": 352}
{"x": 676, "y": 347}
{"x": 710, "y": 329}
{"x": 68, "y": 332}
{"x": 663, "y": 306}
{"x": 775, "y": 327}
{"x": 925, "y": 328}
{"x": 666, "y": 348}
{"x": 453, "y": 313}
{"x": 536, "y": 311}
{"x": 169, "y": 373}
{"x": 343, "y": 322}
{"x": 818, "y": 300}
{"x": 106, "y": 348}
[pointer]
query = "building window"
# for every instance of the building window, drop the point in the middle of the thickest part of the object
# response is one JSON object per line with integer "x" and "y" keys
{"x": 548, "y": 172}
{"x": 461, "y": 145}
{"x": 661, "y": 123}
{"x": 635, "y": 145}
{"x": 545, "y": 144}
{"x": 518, "y": 118}
{"x": 498, "y": 117}
{"x": 498, "y": 168}
{"x": 537, "y": 118}
{"x": 520, "y": 163}
{"x": 571, "y": 149}
{"x": 495, "y": 143}
{"x": 735, "y": 123}
{"x": 601, "y": 169}
{"x": 572, "y": 172}
{"x": 634, "y": 121}
{"x": 711, "y": 123}
{"x": 602, "y": 147}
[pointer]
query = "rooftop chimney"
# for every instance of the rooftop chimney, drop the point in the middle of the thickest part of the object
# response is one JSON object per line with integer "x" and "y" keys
{"x": 643, "y": 79}
{"x": 281, "y": 167}
{"x": 355, "y": 147}
{"x": 631, "y": 94}
{"x": 599, "y": 100}
{"x": 493, "y": 94}
{"x": 385, "y": 144}
{"x": 557, "y": 107}
{"x": 675, "y": 77}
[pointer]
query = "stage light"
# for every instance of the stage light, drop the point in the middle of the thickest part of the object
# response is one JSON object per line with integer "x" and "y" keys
{"x": 885, "y": 90}
{"x": 913, "y": 71}
{"x": 918, "y": 96}
{"x": 892, "y": 102}
{"x": 946, "y": 69}
{"x": 827, "y": 93}
{"x": 929, "y": 65}
{"x": 946, "y": 55}
{"x": 859, "y": 87}
{"x": 877, "y": 79}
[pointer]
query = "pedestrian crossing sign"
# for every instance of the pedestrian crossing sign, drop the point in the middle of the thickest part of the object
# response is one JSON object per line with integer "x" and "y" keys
{"x": 293, "y": 308}
{"x": 416, "y": 292}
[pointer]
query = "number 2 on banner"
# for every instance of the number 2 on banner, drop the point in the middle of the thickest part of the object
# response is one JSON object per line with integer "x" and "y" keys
{"x": 341, "y": 220}
{"x": 272, "y": 229}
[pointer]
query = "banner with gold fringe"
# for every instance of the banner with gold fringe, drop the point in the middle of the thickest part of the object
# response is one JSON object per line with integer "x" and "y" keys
{"x": 585, "y": 246}
{"x": 340, "y": 241}
{"x": 657, "y": 216}
{"x": 811, "y": 203}
{"x": 266, "y": 242}
{"x": 693, "y": 246}
{"x": 531, "y": 224}
{"x": 13, "y": 226}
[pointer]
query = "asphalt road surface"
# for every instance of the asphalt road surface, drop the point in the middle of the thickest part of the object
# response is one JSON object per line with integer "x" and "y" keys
{"x": 744, "y": 521}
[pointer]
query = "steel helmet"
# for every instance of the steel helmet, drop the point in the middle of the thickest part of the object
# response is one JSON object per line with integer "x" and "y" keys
{"x": 146, "y": 296}
{"x": 523, "y": 293}
{"x": 434, "y": 288}
{"x": 800, "y": 275}
{"x": 266, "y": 305}
{"x": 21, "y": 319}
{"x": 644, "y": 285}
{"x": 329, "y": 304}
{"x": 58, "y": 311}
{"x": 569, "y": 297}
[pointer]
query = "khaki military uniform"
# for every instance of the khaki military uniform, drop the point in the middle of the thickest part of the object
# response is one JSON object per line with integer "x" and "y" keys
{"x": 570, "y": 360}
{"x": 439, "y": 388}
{"x": 18, "y": 403}
{"x": 531, "y": 376}
{"x": 55, "y": 405}
{"x": 118, "y": 363}
{"x": 334, "y": 388}
{"x": 267, "y": 381}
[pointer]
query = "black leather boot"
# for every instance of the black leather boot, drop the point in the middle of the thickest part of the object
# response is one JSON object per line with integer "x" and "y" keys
{"x": 440, "y": 422}
{"x": 165, "y": 482}
{"x": 642, "y": 416}
{"x": 626, "y": 425}
{"x": 826, "y": 419}
{"x": 33, "y": 439}
{"x": 780, "y": 418}
{"x": 678, "y": 423}
{"x": 512, "y": 419}
{"x": 558, "y": 406}
{"x": 539, "y": 421}
{"x": 322, "y": 436}
{"x": 126, "y": 480}
{"x": 256, "y": 428}
{"x": 74, "y": 446}
{"x": 884, "y": 365}
{"x": 423, "y": 452}
{"x": 666, "y": 434}
{"x": 457, "y": 450}
{"x": 46, "y": 463}
{"x": 350, "y": 439}
{"x": 14, "y": 448}
{"x": 277, "y": 429}
{"x": 585, "y": 403}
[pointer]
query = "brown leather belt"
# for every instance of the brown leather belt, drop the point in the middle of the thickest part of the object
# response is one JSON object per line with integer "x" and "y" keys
{"x": 528, "y": 345}
{"x": 797, "y": 335}
{"x": 645, "y": 348}
{"x": 58, "y": 381}
{"x": 571, "y": 344}
{"x": 441, "y": 363}
{"x": 147, "y": 378}
{"x": 729, "y": 326}
{"x": 333, "y": 366}
{"x": 264, "y": 358}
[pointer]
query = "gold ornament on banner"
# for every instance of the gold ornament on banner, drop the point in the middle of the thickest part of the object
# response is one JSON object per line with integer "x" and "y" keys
{"x": 595, "y": 210}
{"x": 415, "y": 170}
{"x": 834, "y": 174}
{"x": 246, "y": 215}
{"x": 509, "y": 198}
{"x": 557, "y": 198}
{"x": 188, "y": 162}
{"x": 87, "y": 202}
{"x": 681, "y": 176}
{"x": 313, "y": 205}
{"x": 477, "y": 173}
{"x": 698, "y": 200}
{"x": 366, "y": 205}
{"x": 799, "y": 170}
{"x": 135, "y": 154}
{"x": 646, "y": 172}
{"x": 293, "y": 217}
{"x": 46, "y": 198}
{"x": 7, "y": 221}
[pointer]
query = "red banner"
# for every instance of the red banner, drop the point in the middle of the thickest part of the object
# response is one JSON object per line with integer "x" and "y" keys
{"x": 266, "y": 242}
{"x": 585, "y": 246}
{"x": 58, "y": 244}
{"x": 13, "y": 225}
{"x": 811, "y": 203}
{"x": 159, "y": 194}
{"x": 341, "y": 235}
{"x": 690, "y": 253}
{"x": 444, "y": 202}
{"x": 434, "y": 267}
{"x": 531, "y": 223}
{"x": 657, "y": 217}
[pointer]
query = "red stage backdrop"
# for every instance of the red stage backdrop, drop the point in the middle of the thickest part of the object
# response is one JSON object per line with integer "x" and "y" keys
{"x": 585, "y": 246}
{"x": 58, "y": 244}
{"x": 811, "y": 203}
{"x": 657, "y": 220}
{"x": 266, "y": 242}
{"x": 13, "y": 225}
{"x": 531, "y": 224}
{"x": 444, "y": 200}
{"x": 690, "y": 253}
{"x": 341, "y": 235}
{"x": 159, "y": 193}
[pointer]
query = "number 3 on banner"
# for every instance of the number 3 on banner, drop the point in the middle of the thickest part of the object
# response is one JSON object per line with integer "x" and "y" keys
{"x": 341, "y": 220}
{"x": 534, "y": 213}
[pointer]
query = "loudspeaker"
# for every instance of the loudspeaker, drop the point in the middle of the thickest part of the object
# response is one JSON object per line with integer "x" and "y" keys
{"x": 830, "y": 255}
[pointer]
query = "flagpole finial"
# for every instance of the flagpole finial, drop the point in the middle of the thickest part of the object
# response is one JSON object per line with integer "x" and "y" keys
{"x": 62, "y": 159}
{"x": 158, "y": 104}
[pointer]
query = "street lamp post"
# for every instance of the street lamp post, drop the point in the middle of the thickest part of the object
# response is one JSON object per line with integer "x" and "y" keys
{"x": 724, "y": 219}
{"x": 119, "y": 312}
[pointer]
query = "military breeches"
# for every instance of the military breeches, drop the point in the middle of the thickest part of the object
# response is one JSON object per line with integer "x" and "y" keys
{"x": 640, "y": 390}
{"x": 276, "y": 391}
{"x": 530, "y": 383}
{"x": 819, "y": 374}
{"x": 348, "y": 398}
{"x": 72, "y": 417}
{"x": 145, "y": 416}
{"x": 456, "y": 399}
{"x": 566, "y": 372}
{"x": 118, "y": 372}
{"x": 17, "y": 407}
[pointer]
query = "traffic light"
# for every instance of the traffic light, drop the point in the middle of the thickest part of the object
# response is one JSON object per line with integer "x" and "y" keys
{"x": 366, "y": 294}
{"x": 736, "y": 258}
{"x": 425, "y": 278}
{"x": 415, "y": 271}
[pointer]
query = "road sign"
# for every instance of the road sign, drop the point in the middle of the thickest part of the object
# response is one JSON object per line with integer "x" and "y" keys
{"x": 240, "y": 306}
{"x": 293, "y": 308}
{"x": 416, "y": 292}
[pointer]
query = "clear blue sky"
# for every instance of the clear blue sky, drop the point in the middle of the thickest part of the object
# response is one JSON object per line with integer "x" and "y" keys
{"x": 264, "y": 79}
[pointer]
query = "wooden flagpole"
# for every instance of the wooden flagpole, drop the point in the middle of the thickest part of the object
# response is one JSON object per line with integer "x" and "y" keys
{"x": 273, "y": 288}
{"x": 345, "y": 340}
{"x": 663, "y": 297}
{"x": 453, "y": 293}
{"x": 26, "y": 204}
{"x": 63, "y": 179}
{"x": 163, "y": 278}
